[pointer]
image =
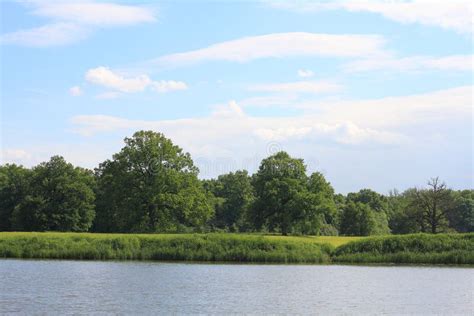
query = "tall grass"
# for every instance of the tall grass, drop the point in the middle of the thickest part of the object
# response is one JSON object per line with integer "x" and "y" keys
{"x": 188, "y": 247}
{"x": 415, "y": 248}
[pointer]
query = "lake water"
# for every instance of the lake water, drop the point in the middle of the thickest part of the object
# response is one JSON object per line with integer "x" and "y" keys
{"x": 93, "y": 287}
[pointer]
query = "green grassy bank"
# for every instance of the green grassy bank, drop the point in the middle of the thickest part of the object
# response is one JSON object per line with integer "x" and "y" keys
{"x": 409, "y": 249}
{"x": 414, "y": 249}
{"x": 187, "y": 247}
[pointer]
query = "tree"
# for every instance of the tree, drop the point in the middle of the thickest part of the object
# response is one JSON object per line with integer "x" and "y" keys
{"x": 358, "y": 219}
{"x": 376, "y": 201}
{"x": 377, "y": 205}
{"x": 60, "y": 198}
{"x": 325, "y": 201}
{"x": 432, "y": 205}
{"x": 234, "y": 193}
{"x": 285, "y": 200}
{"x": 402, "y": 214}
{"x": 151, "y": 185}
{"x": 461, "y": 216}
{"x": 14, "y": 186}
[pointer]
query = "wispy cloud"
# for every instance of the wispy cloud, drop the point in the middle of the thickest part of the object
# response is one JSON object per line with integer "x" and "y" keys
{"x": 314, "y": 87}
{"x": 453, "y": 15}
{"x": 60, "y": 33}
{"x": 279, "y": 45}
{"x": 74, "y": 21}
{"x": 106, "y": 77}
{"x": 95, "y": 13}
{"x": 416, "y": 63}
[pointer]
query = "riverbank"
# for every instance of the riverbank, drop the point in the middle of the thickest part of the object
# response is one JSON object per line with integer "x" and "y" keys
{"x": 417, "y": 248}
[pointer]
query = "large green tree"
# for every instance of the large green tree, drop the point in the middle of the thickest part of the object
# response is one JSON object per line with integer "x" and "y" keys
{"x": 14, "y": 186}
{"x": 60, "y": 198}
{"x": 151, "y": 185}
{"x": 287, "y": 200}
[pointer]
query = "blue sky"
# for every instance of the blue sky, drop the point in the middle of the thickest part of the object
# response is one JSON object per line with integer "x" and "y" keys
{"x": 372, "y": 94}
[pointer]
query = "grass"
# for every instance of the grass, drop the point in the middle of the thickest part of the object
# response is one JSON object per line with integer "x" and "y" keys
{"x": 413, "y": 249}
{"x": 335, "y": 241}
{"x": 187, "y": 247}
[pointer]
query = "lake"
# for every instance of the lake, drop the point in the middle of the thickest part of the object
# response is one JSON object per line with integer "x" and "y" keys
{"x": 130, "y": 287}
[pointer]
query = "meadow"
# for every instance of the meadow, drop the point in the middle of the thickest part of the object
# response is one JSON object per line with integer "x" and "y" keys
{"x": 223, "y": 247}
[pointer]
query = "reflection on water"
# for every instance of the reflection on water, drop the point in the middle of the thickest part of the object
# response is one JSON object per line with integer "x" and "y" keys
{"x": 81, "y": 287}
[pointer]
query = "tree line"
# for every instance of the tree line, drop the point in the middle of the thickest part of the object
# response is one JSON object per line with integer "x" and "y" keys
{"x": 151, "y": 185}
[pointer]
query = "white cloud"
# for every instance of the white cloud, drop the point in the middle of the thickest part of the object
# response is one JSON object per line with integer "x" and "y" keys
{"x": 453, "y": 15}
{"x": 93, "y": 13}
{"x": 48, "y": 35}
{"x": 417, "y": 63}
{"x": 305, "y": 73}
{"x": 231, "y": 123}
{"x": 390, "y": 112}
{"x": 343, "y": 122}
{"x": 106, "y": 77}
{"x": 280, "y": 45}
{"x": 75, "y": 91}
{"x": 71, "y": 22}
{"x": 344, "y": 133}
{"x": 315, "y": 87}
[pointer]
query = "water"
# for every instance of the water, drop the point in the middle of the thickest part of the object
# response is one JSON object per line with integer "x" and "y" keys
{"x": 81, "y": 287}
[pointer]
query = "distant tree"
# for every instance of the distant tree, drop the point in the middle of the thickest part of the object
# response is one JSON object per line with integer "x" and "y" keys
{"x": 234, "y": 193}
{"x": 325, "y": 200}
{"x": 433, "y": 205}
{"x": 357, "y": 219}
{"x": 14, "y": 186}
{"x": 151, "y": 185}
{"x": 461, "y": 216}
{"x": 60, "y": 198}
{"x": 286, "y": 200}
{"x": 403, "y": 216}
{"x": 376, "y": 201}
{"x": 378, "y": 206}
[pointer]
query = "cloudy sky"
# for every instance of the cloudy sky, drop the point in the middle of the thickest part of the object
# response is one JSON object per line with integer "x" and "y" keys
{"x": 372, "y": 94}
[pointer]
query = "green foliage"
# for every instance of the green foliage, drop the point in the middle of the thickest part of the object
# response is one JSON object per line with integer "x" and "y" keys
{"x": 374, "y": 200}
{"x": 150, "y": 186}
{"x": 234, "y": 197}
{"x": 60, "y": 197}
{"x": 288, "y": 201}
{"x": 431, "y": 206}
{"x": 461, "y": 216}
{"x": 364, "y": 214}
{"x": 14, "y": 186}
{"x": 188, "y": 247}
{"x": 415, "y": 248}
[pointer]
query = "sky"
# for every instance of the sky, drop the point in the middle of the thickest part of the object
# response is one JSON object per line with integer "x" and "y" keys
{"x": 372, "y": 94}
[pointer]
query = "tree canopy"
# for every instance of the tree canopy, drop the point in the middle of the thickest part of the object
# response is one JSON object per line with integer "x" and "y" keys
{"x": 151, "y": 185}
